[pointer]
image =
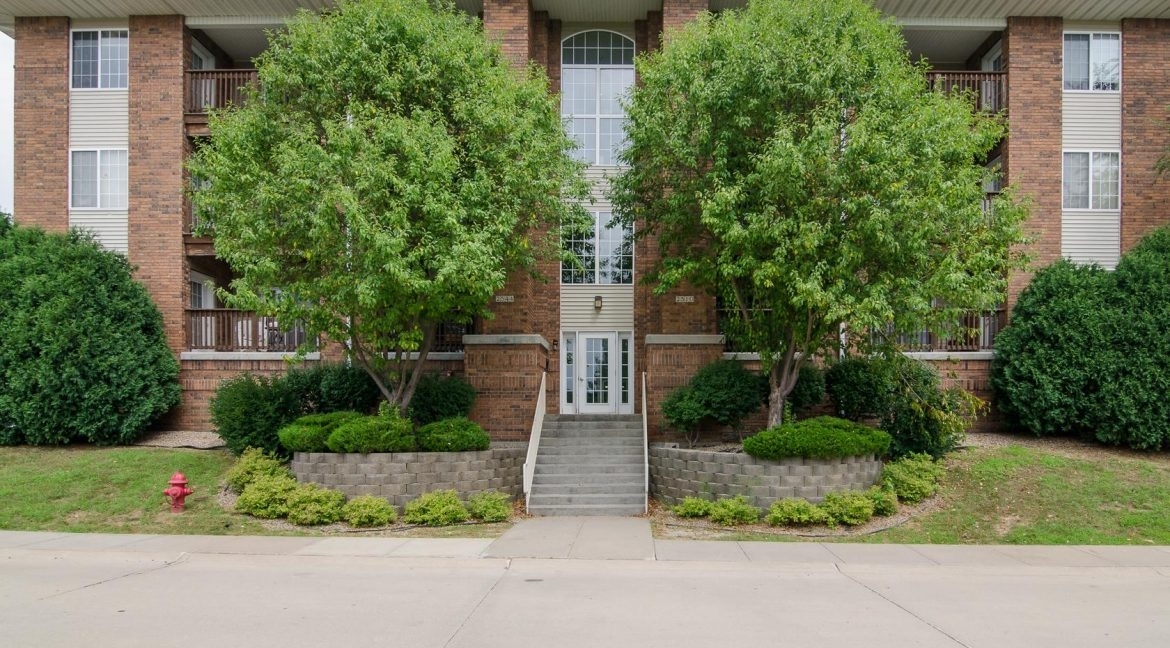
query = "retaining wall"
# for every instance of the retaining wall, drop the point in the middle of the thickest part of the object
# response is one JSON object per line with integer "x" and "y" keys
{"x": 676, "y": 473}
{"x": 402, "y": 476}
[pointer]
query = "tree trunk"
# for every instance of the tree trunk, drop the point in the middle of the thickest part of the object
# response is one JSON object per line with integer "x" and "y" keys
{"x": 781, "y": 380}
{"x": 424, "y": 349}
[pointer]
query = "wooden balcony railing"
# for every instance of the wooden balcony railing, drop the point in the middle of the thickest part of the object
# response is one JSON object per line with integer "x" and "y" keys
{"x": 222, "y": 329}
{"x": 989, "y": 89}
{"x": 214, "y": 89}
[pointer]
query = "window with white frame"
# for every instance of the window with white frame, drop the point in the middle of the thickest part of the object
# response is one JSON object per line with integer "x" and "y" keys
{"x": 1092, "y": 62}
{"x": 604, "y": 253}
{"x": 101, "y": 59}
{"x": 98, "y": 179}
{"x": 597, "y": 70}
{"x": 1092, "y": 180}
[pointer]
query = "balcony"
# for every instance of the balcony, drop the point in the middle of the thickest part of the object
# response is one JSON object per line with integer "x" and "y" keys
{"x": 222, "y": 329}
{"x": 977, "y": 332}
{"x": 212, "y": 90}
{"x": 987, "y": 89}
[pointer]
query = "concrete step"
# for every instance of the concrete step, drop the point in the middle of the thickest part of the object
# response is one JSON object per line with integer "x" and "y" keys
{"x": 588, "y": 509}
{"x": 635, "y": 468}
{"x": 587, "y": 458}
{"x": 547, "y": 443}
{"x": 608, "y": 488}
{"x": 593, "y": 418}
{"x": 540, "y": 499}
{"x": 543, "y": 479}
{"x": 600, "y": 429}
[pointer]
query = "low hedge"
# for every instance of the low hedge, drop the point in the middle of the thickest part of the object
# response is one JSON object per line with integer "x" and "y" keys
{"x": 458, "y": 434}
{"x": 372, "y": 434}
{"x": 823, "y": 437}
{"x": 311, "y": 433}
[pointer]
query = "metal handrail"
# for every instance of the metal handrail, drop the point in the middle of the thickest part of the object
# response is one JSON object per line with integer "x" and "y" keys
{"x": 534, "y": 438}
{"x": 645, "y": 451}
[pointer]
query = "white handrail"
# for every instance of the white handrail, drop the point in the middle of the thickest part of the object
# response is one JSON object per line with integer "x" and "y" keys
{"x": 645, "y": 451}
{"x": 534, "y": 439}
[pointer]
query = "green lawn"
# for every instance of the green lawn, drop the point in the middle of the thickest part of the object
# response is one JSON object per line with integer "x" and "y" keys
{"x": 113, "y": 490}
{"x": 1020, "y": 495}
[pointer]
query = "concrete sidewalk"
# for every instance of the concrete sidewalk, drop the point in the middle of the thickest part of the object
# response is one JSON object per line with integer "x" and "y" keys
{"x": 600, "y": 538}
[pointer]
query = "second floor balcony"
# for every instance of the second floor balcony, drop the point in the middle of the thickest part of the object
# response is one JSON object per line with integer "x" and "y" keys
{"x": 987, "y": 89}
{"x": 208, "y": 90}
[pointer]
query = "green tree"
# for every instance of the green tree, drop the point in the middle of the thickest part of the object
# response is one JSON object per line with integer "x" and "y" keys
{"x": 388, "y": 175}
{"x": 791, "y": 160}
{"x": 83, "y": 353}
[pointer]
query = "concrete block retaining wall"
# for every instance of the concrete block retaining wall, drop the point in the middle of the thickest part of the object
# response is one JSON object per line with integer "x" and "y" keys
{"x": 676, "y": 473}
{"x": 403, "y": 476}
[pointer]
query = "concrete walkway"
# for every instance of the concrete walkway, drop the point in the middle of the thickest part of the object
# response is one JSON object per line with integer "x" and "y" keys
{"x": 127, "y": 591}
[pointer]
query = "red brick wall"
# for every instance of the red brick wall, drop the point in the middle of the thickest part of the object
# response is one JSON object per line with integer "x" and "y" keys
{"x": 1033, "y": 50}
{"x": 974, "y": 376}
{"x": 199, "y": 379}
{"x": 42, "y": 123}
{"x": 1145, "y": 130}
{"x": 507, "y": 21}
{"x": 506, "y": 380}
{"x": 668, "y": 367}
{"x": 677, "y": 13}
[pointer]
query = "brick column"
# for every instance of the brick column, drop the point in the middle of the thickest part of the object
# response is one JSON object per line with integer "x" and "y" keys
{"x": 1033, "y": 53}
{"x": 41, "y": 123}
{"x": 157, "y": 149}
{"x": 1145, "y": 131}
{"x": 507, "y": 21}
{"x": 676, "y": 13}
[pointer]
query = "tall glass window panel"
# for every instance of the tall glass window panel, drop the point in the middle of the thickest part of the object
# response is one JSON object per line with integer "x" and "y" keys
{"x": 85, "y": 59}
{"x": 83, "y": 173}
{"x": 583, "y": 245}
{"x": 1106, "y": 181}
{"x": 112, "y": 180}
{"x": 1076, "y": 180}
{"x": 1076, "y": 61}
{"x": 570, "y": 374}
{"x": 1105, "y": 58}
{"x": 115, "y": 59}
{"x": 597, "y": 73}
{"x": 605, "y": 254}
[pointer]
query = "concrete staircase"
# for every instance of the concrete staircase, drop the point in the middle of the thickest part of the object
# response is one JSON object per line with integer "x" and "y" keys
{"x": 589, "y": 465}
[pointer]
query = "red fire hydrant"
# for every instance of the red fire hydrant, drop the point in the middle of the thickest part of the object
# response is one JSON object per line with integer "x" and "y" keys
{"x": 177, "y": 492}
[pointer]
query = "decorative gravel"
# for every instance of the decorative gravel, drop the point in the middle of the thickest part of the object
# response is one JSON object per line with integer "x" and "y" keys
{"x": 182, "y": 439}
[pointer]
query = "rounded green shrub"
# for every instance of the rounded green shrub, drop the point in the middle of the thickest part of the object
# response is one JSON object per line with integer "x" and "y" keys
{"x": 490, "y": 506}
{"x": 373, "y": 434}
{"x": 311, "y": 505}
{"x": 83, "y": 352}
{"x": 267, "y": 496}
{"x": 913, "y": 478}
{"x": 369, "y": 511}
{"x": 849, "y": 508}
{"x": 248, "y": 411}
{"x": 727, "y": 392}
{"x": 795, "y": 512}
{"x": 733, "y": 511}
{"x": 809, "y": 390}
{"x": 310, "y": 433}
{"x": 252, "y": 464}
{"x": 333, "y": 387}
{"x": 885, "y": 500}
{"x": 823, "y": 437}
{"x": 441, "y": 397}
{"x": 452, "y": 435}
{"x": 683, "y": 412}
{"x": 1087, "y": 351}
{"x": 692, "y": 507}
{"x": 436, "y": 508}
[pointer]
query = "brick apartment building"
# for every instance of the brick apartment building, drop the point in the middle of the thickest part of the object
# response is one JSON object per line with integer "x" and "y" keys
{"x": 108, "y": 105}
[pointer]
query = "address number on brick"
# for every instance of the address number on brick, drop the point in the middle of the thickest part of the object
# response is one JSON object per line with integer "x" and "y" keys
{"x": 684, "y": 299}
{"x": 505, "y": 299}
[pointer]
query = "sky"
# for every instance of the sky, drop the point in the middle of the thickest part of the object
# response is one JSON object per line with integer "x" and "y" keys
{"x": 6, "y": 99}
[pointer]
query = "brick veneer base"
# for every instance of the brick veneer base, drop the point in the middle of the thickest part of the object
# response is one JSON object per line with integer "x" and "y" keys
{"x": 403, "y": 476}
{"x": 676, "y": 473}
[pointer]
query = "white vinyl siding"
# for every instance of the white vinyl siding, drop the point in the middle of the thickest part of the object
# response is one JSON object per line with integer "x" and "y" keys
{"x": 1091, "y": 237}
{"x": 109, "y": 227}
{"x": 598, "y": 177}
{"x": 99, "y": 119}
{"x": 1092, "y": 121}
{"x": 616, "y": 314}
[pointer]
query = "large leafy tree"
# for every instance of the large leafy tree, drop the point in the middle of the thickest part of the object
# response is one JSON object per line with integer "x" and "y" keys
{"x": 791, "y": 159}
{"x": 388, "y": 174}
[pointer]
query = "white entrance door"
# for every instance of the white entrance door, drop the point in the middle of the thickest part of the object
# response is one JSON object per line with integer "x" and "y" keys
{"x": 596, "y": 378}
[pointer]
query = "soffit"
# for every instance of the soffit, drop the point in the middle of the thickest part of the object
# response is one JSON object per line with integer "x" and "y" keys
{"x": 1087, "y": 10}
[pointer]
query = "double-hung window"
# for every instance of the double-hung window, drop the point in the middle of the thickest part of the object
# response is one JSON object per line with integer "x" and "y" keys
{"x": 597, "y": 70}
{"x": 98, "y": 179}
{"x": 1092, "y": 180}
{"x": 605, "y": 253}
{"x": 101, "y": 59}
{"x": 1092, "y": 62}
